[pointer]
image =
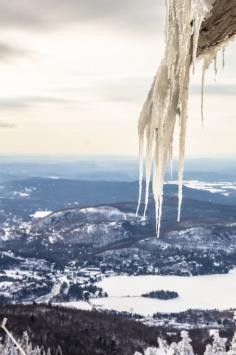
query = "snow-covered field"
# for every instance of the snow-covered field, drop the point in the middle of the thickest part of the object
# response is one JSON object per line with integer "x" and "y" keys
{"x": 204, "y": 292}
{"x": 224, "y": 188}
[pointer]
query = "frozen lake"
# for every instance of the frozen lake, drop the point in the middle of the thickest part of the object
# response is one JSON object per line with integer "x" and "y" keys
{"x": 204, "y": 292}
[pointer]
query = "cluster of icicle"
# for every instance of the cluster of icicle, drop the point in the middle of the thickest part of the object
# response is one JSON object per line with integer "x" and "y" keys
{"x": 184, "y": 347}
{"x": 168, "y": 99}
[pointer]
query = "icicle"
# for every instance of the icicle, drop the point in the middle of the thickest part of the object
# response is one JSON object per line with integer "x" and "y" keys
{"x": 206, "y": 63}
{"x": 168, "y": 98}
{"x": 202, "y": 93}
{"x": 170, "y": 160}
{"x": 149, "y": 155}
{"x": 141, "y": 144}
{"x": 199, "y": 10}
{"x": 208, "y": 58}
{"x": 223, "y": 58}
{"x": 181, "y": 162}
{"x": 215, "y": 66}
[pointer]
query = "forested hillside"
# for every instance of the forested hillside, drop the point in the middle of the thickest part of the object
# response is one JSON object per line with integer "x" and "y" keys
{"x": 79, "y": 332}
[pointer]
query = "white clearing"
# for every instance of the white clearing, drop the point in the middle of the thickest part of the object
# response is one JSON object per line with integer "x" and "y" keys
{"x": 224, "y": 188}
{"x": 196, "y": 292}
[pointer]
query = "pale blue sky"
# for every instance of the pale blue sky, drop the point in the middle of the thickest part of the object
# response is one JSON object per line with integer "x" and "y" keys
{"x": 74, "y": 75}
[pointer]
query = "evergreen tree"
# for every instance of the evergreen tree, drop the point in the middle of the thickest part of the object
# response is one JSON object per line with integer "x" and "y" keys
{"x": 7, "y": 347}
{"x": 151, "y": 351}
{"x": 185, "y": 347}
{"x": 218, "y": 344}
{"x": 232, "y": 350}
{"x": 173, "y": 349}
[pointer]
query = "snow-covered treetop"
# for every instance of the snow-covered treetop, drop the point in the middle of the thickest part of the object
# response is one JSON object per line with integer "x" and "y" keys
{"x": 23, "y": 346}
{"x": 184, "y": 347}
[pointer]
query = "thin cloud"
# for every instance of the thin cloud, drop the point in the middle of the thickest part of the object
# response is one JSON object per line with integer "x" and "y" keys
{"x": 124, "y": 88}
{"x": 7, "y": 125}
{"x": 9, "y": 52}
{"x": 145, "y": 15}
{"x": 25, "y": 102}
{"x": 130, "y": 89}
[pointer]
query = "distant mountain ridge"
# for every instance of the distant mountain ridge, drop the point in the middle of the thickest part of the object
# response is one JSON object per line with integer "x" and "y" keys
{"x": 108, "y": 168}
{"x": 24, "y": 197}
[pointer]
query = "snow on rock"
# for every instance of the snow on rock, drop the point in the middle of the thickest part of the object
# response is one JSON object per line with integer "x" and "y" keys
{"x": 168, "y": 98}
{"x": 41, "y": 214}
{"x": 24, "y": 194}
{"x": 199, "y": 185}
{"x": 99, "y": 225}
{"x": 91, "y": 215}
{"x": 108, "y": 211}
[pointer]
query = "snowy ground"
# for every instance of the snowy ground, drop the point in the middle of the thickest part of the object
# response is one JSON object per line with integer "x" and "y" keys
{"x": 41, "y": 214}
{"x": 197, "y": 292}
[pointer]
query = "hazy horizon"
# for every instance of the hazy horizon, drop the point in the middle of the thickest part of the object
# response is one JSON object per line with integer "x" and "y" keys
{"x": 227, "y": 157}
{"x": 109, "y": 168}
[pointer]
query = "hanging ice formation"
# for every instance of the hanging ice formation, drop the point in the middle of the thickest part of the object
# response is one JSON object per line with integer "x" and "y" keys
{"x": 168, "y": 99}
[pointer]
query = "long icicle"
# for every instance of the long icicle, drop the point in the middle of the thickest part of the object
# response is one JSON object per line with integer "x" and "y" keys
{"x": 202, "y": 92}
{"x": 141, "y": 162}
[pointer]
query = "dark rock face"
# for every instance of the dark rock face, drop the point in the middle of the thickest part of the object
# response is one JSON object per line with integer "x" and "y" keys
{"x": 220, "y": 26}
